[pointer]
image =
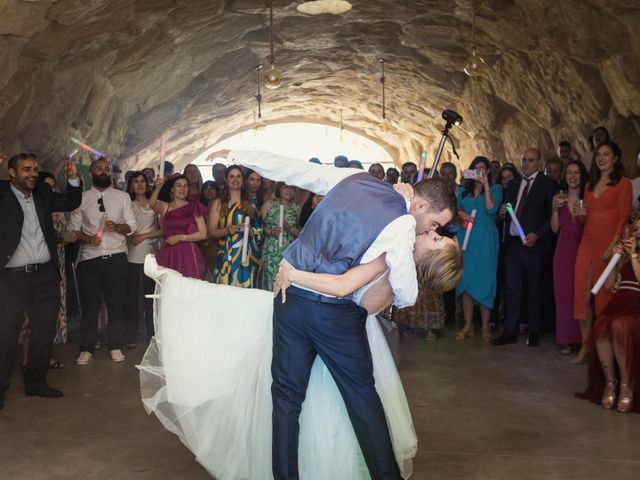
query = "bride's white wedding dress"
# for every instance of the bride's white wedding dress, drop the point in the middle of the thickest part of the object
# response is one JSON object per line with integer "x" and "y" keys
{"x": 207, "y": 377}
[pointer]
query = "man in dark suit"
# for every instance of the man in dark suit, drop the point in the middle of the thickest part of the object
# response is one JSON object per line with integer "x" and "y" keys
{"x": 29, "y": 269}
{"x": 531, "y": 196}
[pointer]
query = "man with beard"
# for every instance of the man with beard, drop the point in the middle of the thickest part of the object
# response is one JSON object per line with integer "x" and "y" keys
{"x": 102, "y": 223}
{"x": 29, "y": 269}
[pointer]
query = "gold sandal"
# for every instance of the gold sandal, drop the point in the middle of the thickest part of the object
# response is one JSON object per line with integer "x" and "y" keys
{"x": 609, "y": 397}
{"x": 625, "y": 404}
{"x": 486, "y": 334}
{"x": 466, "y": 332}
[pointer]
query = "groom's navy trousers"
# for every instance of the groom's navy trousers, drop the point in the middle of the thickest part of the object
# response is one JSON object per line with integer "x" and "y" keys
{"x": 307, "y": 325}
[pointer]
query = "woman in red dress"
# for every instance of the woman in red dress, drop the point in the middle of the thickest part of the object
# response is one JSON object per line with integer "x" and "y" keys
{"x": 615, "y": 339}
{"x": 607, "y": 201}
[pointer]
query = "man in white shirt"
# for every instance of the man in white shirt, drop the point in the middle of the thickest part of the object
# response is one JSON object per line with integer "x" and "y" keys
{"x": 101, "y": 224}
{"x": 359, "y": 219}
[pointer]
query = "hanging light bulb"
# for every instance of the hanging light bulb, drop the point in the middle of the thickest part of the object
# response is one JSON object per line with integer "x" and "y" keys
{"x": 475, "y": 65}
{"x": 384, "y": 126}
{"x": 272, "y": 77}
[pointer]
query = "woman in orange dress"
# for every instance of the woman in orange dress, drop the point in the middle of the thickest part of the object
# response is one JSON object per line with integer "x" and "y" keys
{"x": 607, "y": 201}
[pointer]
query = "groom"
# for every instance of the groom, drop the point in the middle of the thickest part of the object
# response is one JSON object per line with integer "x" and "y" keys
{"x": 359, "y": 219}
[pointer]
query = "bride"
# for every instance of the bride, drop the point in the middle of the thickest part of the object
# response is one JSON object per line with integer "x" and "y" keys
{"x": 206, "y": 374}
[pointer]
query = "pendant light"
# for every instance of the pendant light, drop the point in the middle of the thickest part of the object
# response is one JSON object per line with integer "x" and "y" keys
{"x": 272, "y": 76}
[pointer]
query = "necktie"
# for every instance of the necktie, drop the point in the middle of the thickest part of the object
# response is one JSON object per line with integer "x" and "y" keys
{"x": 523, "y": 198}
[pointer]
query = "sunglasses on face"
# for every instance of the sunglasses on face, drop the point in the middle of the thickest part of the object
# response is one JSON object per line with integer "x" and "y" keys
{"x": 101, "y": 205}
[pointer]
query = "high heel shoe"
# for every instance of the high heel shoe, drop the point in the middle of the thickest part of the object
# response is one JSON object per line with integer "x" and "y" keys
{"x": 609, "y": 397}
{"x": 580, "y": 359}
{"x": 486, "y": 334}
{"x": 625, "y": 404}
{"x": 466, "y": 332}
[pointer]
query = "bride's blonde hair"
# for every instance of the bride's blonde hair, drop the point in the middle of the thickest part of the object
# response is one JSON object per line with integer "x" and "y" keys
{"x": 440, "y": 270}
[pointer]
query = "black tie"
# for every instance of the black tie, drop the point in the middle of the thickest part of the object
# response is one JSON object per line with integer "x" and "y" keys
{"x": 523, "y": 197}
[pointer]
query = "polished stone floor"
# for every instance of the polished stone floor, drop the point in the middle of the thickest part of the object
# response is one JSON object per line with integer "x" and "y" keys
{"x": 481, "y": 412}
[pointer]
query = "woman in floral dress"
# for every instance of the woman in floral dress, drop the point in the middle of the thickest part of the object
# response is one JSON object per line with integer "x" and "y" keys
{"x": 272, "y": 249}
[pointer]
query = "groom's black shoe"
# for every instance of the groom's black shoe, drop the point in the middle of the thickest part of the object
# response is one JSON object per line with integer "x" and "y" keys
{"x": 504, "y": 339}
{"x": 43, "y": 390}
{"x": 533, "y": 340}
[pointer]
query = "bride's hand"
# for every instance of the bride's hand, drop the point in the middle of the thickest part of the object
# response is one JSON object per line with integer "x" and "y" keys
{"x": 283, "y": 280}
{"x": 217, "y": 154}
{"x": 405, "y": 189}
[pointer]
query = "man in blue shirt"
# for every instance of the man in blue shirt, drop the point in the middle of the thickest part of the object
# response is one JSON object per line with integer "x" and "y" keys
{"x": 29, "y": 270}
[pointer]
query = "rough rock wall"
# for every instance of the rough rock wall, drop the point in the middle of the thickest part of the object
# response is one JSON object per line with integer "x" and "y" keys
{"x": 120, "y": 73}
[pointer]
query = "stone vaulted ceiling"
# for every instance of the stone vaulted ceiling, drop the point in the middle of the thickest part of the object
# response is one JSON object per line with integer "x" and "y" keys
{"x": 120, "y": 73}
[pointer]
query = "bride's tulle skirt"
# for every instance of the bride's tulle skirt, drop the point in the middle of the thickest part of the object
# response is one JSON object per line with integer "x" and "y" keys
{"x": 207, "y": 377}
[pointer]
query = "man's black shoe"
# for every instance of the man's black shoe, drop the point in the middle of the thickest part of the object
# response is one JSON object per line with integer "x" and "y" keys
{"x": 43, "y": 390}
{"x": 504, "y": 339}
{"x": 533, "y": 340}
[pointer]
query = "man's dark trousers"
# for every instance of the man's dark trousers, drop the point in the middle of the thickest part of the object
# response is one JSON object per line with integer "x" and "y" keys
{"x": 36, "y": 294}
{"x": 302, "y": 328}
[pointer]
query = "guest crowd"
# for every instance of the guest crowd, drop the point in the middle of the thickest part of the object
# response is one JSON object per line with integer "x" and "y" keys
{"x": 536, "y": 236}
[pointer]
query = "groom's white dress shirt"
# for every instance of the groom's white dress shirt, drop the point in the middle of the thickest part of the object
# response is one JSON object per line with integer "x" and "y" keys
{"x": 396, "y": 240}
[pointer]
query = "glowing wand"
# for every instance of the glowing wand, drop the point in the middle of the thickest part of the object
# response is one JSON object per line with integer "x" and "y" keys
{"x": 423, "y": 163}
{"x": 87, "y": 148}
{"x": 468, "y": 232}
{"x": 516, "y": 223}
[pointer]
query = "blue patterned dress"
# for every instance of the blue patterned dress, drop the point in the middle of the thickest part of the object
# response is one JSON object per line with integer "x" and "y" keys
{"x": 229, "y": 267}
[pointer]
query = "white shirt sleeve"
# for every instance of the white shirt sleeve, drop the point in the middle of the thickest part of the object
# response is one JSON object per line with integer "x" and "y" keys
{"x": 316, "y": 178}
{"x": 75, "y": 220}
{"x": 397, "y": 240}
{"x": 129, "y": 215}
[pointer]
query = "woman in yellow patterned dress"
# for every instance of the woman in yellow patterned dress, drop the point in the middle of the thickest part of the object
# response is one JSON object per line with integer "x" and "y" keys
{"x": 226, "y": 224}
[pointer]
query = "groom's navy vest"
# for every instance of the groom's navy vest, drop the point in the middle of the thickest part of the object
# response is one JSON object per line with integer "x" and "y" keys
{"x": 345, "y": 224}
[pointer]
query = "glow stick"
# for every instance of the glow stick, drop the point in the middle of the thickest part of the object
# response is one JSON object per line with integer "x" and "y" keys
{"x": 163, "y": 153}
{"x": 103, "y": 224}
{"x": 281, "y": 224}
{"x": 469, "y": 227}
{"x": 423, "y": 163}
{"x": 73, "y": 154}
{"x": 515, "y": 221}
{"x": 87, "y": 148}
{"x": 245, "y": 239}
{"x": 607, "y": 271}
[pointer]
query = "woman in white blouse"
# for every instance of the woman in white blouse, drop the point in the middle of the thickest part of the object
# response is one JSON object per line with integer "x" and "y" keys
{"x": 141, "y": 243}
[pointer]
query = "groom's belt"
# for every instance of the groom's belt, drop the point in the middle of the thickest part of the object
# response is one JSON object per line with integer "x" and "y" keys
{"x": 316, "y": 297}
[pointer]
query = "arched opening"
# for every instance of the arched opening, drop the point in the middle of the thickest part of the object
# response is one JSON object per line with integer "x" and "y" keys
{"x": 302, "y": 140}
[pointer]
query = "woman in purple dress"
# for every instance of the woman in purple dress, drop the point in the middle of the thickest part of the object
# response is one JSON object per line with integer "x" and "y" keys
{"x": 183, "y": 226}
{"x": 569, "y": 235}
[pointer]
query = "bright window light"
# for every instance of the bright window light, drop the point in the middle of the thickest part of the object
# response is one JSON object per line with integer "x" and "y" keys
{"x": 304, "y": 141}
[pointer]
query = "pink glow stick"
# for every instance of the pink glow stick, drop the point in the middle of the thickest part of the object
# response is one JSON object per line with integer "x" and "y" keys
{"x": 103, "y": 224}
{"x": 469, "y": 227}
{"x": 163, "y": 153}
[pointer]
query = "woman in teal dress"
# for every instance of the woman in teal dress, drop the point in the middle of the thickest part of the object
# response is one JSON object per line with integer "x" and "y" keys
{"x": 270, "y": 213}
{"x": 480, "y": 258}
{"x": 226, "y": 224}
